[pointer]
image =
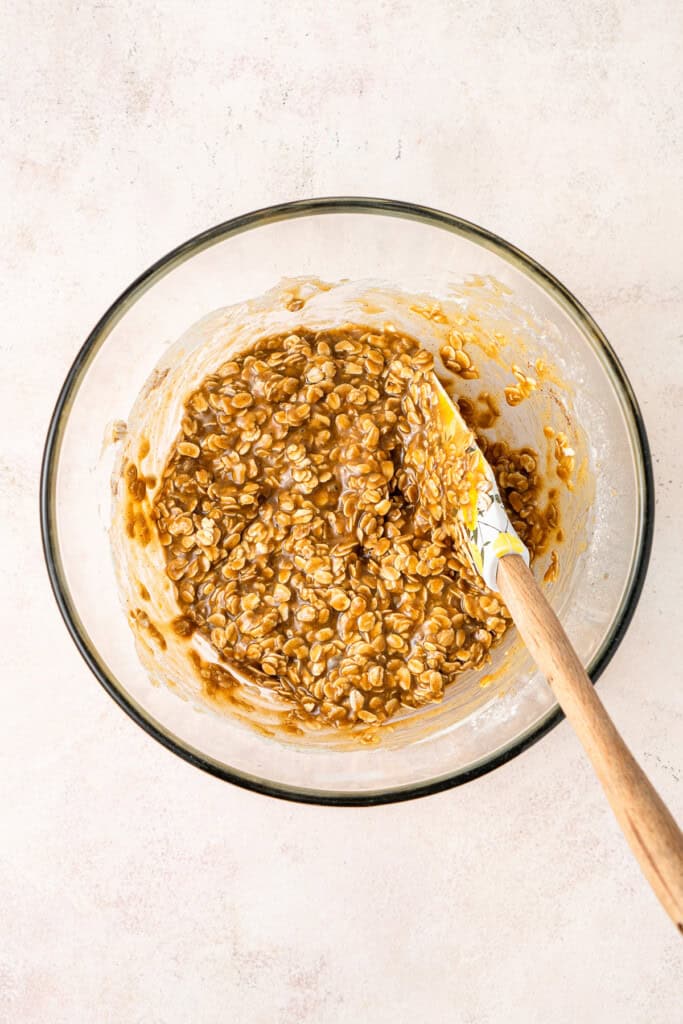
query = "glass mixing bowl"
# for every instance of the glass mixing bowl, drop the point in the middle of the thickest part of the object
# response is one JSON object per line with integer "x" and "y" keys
{"x": 418, "y": 250}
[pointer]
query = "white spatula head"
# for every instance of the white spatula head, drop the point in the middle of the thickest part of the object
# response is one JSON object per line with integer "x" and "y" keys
{"x": 484, "y": 523}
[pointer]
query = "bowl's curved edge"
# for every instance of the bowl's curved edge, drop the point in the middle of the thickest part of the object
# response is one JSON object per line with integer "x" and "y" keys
{"x": 234, "y": 226}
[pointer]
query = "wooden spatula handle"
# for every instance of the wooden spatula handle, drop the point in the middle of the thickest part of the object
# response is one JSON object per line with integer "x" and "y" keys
{"x": 655, "y": 838}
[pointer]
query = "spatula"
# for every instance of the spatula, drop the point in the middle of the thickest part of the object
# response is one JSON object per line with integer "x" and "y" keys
{"x": 503, "y": 562}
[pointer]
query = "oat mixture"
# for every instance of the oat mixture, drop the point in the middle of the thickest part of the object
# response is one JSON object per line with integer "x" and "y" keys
{"x": 302, "y": 514}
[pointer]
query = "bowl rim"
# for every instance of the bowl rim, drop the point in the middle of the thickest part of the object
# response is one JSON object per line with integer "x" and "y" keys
{"x": 302, "y": 208}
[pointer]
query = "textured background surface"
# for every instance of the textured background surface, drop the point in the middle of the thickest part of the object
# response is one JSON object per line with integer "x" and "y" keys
{"x": 132, "y": 887}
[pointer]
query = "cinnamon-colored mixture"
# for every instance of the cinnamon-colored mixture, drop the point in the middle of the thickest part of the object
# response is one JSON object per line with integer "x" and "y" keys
{"x": 302, "y": 517}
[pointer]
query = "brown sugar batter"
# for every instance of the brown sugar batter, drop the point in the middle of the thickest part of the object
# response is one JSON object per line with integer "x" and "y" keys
{"x": 301, "y": 512}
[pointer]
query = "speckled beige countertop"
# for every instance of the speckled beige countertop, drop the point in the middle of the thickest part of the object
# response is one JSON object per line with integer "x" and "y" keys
{"x": 135, "y": 889}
